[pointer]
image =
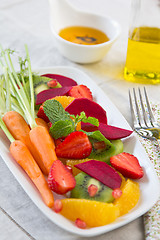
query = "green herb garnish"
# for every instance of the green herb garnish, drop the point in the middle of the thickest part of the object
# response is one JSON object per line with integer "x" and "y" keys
{"x": 64, "y": 123}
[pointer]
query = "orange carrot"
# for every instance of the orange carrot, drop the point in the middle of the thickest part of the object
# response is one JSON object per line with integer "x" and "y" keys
{"x": 17, "y": 125}
{"x": 43, "y": 145}
{"x": 22, "y": 155}
{"x": 44, "y": 151}
{"x": 41, "y": 122}
{"x": 20, "y": 130}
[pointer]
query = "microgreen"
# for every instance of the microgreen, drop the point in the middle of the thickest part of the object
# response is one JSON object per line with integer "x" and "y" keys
{"x": 15, "y": 82}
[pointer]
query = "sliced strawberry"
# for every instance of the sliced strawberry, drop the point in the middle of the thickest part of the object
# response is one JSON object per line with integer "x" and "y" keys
{"x": 128, "y": 165}
{"x": 80, "y": 91}
{"x": 60, "y": 179}
{"x": 58, "y": 141}
{"x": 42, "y": 115}
{"x": 76, "y": 146}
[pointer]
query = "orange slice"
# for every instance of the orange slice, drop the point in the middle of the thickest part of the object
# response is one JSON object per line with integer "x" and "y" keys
{"x": 129, "y": 198}
{"x": 123, "y": 180}
{"x": 93, "y": 213}
{"x": 64, "y": 100}
{"x": 71, "y": 163}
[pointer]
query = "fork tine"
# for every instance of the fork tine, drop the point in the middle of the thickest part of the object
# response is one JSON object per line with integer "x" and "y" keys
{"x": 135, "y": 119}
{"x": 133, "y": 116}
{"x": 145, "y": 117}
{"x": 140, "y": 119}
{"x": 151, "y": 117}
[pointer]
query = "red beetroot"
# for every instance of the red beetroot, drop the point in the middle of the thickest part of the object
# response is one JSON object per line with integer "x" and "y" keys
{"x": 51, "y": 93}
{"x": 88, "y": 127}
{"x": 64, "y": 81}
{"x": 91, "y": 109}
{"x": 110, "y": 132}
{"x": 102, "y": 172}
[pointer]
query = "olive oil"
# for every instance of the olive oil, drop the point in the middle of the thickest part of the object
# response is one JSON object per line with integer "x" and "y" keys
{"x": 83, "y": 35}
{"x": 143, "y": 56}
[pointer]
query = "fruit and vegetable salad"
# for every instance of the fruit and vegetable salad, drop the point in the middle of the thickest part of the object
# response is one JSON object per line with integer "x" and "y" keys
{"x": 62, "y": 140}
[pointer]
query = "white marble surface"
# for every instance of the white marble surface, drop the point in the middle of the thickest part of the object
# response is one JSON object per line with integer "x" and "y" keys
{"x": 27, "y": 21}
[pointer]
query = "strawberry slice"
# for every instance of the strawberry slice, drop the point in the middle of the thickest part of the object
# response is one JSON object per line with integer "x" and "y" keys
{"x": 60, "y": 179}
{"x": 128, "y": 165}
{"x": 80, "y": 91}
{"x": 42, "y": 115}
{"x": 76, "y": 146}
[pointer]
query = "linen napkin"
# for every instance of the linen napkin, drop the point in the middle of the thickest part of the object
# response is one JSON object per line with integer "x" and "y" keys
{"x": 152, "y": 217}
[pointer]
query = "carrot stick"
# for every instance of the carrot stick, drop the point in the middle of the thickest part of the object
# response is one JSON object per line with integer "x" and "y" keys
{"x": 17, "y": 125}
{"x": 19, "y": 129}
{"x": 41, "y": 122}
{"x": 43, "y": 145}
{"x": 22, "y": 155}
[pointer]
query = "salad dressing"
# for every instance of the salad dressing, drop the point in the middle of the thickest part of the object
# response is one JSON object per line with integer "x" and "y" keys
{"x": 83, "y": 35}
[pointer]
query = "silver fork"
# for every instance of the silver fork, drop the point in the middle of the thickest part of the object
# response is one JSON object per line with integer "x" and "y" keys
{"x": 142, "y": 117}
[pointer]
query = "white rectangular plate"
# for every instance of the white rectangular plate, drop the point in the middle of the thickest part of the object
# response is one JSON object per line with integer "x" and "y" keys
{"x": 149, "y": 184}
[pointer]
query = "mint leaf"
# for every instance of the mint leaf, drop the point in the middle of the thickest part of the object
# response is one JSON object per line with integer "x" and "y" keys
{"x": 98, "y": 136}
{"x": 61, "y": 128}
{"x": 92, "y": 120}
{"x": 82, "y": 117}
{"x": 54, "y": 111}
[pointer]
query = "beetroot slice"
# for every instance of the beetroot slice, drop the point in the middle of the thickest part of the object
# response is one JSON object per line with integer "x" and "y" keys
{"x": 64, "y": 81}
{"x": 88, "y": 127}
{"x": 91, "y": 108}
{"x": 51, "y": 93}
{"x": 110, "y": 132}
{"x": 102, "y": 172}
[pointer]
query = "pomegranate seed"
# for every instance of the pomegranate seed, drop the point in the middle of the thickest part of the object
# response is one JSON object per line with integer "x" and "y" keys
{"x": 80, "y": 223}
{"x": 69, "y": 168}
{"x": 57, "y": 205}
{"x": 117, "y": 192}
{"x": 92, "y": 190}
{"x": 52, "y": 83}
{"x": 99, "y": 145}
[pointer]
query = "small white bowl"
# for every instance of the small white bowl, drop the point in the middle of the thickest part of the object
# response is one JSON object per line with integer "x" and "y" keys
{"x": 64, "y": 15}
